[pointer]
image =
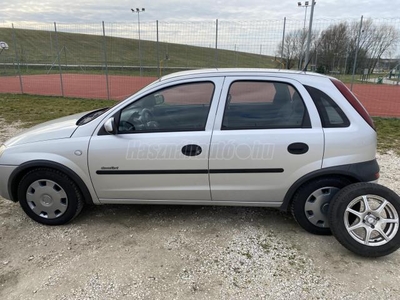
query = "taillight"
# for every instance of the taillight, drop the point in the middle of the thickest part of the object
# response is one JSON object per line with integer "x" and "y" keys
{"x": 353, "y": 101}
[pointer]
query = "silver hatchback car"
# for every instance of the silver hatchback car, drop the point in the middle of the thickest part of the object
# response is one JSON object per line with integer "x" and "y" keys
{"x": 267, "y": 138}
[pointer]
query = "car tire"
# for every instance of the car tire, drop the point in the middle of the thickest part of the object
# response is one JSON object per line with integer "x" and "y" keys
{"x": 364, "y": 218}
{"x": 310, "y": 203}
{"x": 49, "y": 196}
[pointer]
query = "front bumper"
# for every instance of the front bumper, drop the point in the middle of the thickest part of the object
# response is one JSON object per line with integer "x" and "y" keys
{"x": 5, "y": 173}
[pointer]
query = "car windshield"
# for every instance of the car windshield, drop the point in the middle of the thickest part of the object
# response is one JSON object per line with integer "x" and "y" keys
{"x": 91, "y": 116}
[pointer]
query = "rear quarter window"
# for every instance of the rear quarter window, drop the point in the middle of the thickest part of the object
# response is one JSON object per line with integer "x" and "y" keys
{"x": 330, "y": 113}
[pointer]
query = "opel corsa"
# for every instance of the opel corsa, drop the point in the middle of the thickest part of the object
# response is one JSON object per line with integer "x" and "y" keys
{"x": 266, "y": 138}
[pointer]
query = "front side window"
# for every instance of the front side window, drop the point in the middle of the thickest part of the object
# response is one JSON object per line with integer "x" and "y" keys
{"x": 264, "y": 105}
{"x": 179, "y": 108}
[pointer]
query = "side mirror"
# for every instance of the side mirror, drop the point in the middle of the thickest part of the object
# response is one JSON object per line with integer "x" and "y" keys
{"x": 159, "y": 99}
{"x": 109, "y": 126}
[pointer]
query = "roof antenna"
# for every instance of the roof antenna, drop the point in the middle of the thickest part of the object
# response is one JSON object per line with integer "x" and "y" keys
{"x": 306, "y": 66}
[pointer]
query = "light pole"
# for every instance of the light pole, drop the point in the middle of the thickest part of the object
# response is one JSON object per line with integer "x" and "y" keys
{"x": 309, "y": 34}
{"x": 306, "y": 4}
{"x": 138, "y": 11}
{"x": 301, "y": 5}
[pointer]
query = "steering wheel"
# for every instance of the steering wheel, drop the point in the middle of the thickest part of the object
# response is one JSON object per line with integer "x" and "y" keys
{"x": 147, "y": 118}
{"x": 146, "y": 115}
{"x": 126, "y": 126}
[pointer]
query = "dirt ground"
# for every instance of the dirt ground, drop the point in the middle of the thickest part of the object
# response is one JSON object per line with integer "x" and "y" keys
{"x": 182, "y": 252}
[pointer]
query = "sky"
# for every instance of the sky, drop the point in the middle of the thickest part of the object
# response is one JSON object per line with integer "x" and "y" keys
{"x": 90, "y": 11}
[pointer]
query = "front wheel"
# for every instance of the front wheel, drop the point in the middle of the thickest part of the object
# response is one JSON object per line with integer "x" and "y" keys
{"x": 49, "y": 196}
{"x": 364, "y": 218}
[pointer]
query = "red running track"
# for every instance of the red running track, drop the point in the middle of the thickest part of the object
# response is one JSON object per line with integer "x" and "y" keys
{"x": 380, "y": 100}
{"x": 75, "y": 85}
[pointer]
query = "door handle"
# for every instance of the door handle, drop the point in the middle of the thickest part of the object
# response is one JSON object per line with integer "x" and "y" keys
{"x": 191, "y": 150}
{"x": 297, "y": 148}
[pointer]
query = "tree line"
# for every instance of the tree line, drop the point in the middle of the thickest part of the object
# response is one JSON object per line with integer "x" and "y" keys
{"x": 333, "y": 49}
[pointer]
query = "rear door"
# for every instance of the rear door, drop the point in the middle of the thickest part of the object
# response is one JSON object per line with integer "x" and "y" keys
{"x": 263, "y": 139}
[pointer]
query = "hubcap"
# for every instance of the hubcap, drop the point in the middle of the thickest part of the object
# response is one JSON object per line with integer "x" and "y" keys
{"x": 371, "y": 220}
{"x": 317, "y": 206}
{"x": 47, "y": 199}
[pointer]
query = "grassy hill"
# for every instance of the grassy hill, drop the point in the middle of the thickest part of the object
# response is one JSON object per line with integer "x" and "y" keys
{"x": 85, "y": 53}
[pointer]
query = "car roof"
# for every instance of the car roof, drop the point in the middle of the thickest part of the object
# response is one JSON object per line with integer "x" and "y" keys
{"x": 240, "y": 72}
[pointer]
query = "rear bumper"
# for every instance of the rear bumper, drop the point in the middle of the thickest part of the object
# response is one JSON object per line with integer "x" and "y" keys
{"x": 365, "y": 172}
{"x": 5, "y": 173}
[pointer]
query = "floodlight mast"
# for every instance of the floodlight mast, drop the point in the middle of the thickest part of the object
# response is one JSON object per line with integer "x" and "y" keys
{"x": 306, "y": 5}
{"x": 138, "y": 11}
{"x": 307, "y": 60}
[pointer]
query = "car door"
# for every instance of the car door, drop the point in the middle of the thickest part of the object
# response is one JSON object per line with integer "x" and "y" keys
{"x": 263, "y": 140}
{"x": 161, "y": 145}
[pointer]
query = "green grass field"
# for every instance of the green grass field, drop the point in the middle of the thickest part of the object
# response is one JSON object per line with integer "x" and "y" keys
{"x": 31, "y": 110}
{"x": 77, "y": 51}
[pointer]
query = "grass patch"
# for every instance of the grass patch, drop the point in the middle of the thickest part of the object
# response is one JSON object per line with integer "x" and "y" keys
{"x": 388, "y": 134}
{"x": 31, "y": 110}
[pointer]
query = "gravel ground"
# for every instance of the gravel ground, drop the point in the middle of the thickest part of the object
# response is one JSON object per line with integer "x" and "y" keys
{"x": 182, "y": 252}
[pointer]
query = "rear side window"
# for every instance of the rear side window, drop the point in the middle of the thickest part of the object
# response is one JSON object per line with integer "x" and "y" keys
{"x": 330, "y": 113}
{"x": 353, "y": 101}
{"x": 264, "y": 105}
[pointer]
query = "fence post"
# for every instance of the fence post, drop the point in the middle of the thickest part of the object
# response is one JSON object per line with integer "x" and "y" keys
{"x": 356, "y": 54}
{"x": 236, "y": 57}
{"x": 58, "y": 59}
{"x": 216, "y": 44}
{"x": 17, "y": 58}
{"x": 283, "y": 39}
{"x": 105, "y": 59}
{"x": 158, "y": 52}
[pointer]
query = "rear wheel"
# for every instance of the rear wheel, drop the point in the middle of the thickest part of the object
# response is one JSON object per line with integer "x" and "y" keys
{"x": 311, "y": 201}
{"x": 49, "y": 197}
{"x": 364, "y": 218}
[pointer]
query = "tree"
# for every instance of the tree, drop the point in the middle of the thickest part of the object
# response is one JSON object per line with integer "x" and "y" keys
{"x": 293, "y": 48}
{"x": 384, "y": 39}
{"x": 335, "y": 48}
{"x": 332, "y": 46}
{"x": 343, "y": 41}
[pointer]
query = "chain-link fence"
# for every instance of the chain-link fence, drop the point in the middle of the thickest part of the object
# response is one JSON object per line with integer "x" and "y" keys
{"x": 113, "y": 60}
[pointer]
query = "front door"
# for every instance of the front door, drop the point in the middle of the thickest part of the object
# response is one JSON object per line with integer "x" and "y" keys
{"x": 161, "y": 148}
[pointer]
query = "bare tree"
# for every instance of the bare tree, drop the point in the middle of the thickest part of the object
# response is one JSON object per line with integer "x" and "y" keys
{"x": 332, "y": 46}
{"x": 293, "y": 48}
{"x": 384, "y": 39}
{"x": 335, "y": 48}
{"x": 375, "y": 41}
